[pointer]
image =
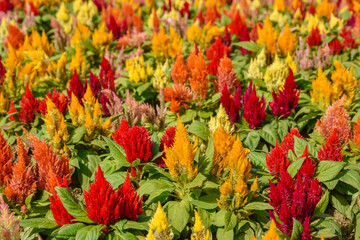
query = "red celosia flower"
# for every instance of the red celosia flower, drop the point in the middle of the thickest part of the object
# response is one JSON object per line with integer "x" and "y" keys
{"x": 200, "y": 17}
{"x": 16, "y": 38}
{"x": 12, "y": 109}
{"x": 95, "y": 84}
{"x": 118, "y": 28}
{"x": 349, "y": 41}
{"x": 288, "y": 143}
{"x": 29, "y": 104}
{"x": 76, "y": 87}
{"x": 226, "y": 75}
{"x": 232, "y": 105}
{"x": 312, "y": 9}
{"x": 2, "y": 72}
{"x": 105, "y": 206}
{"x": 166, "y": 140}
{"x": 254, "y": 108}
{"x": 335, "y": 46}
{"x": 185, "y": 10}
{"x": 198, "y": 79}
{"x": 216, "y": 51}
{"x": 178, "y": 71}
{"x": 49, "y": 165}
{"x": 106, "y": 75}
{"x": 61, "y": 215}
{"x": 331, "y": 150}
{"x": 277, "y": 161}
{"x": 238, "y": 27}
{"x": 287, "y": 99}
{"x": 254, "y": 32}
{"x": 227, "y": 37}
{"x": 135, "y": 141}
{"x": 57, "y": 98}
{"x": 5, "y": 161}
{"x": 179, "y": 95}
{"x": 6, "y": 5}
{"x": 314, "y": 39}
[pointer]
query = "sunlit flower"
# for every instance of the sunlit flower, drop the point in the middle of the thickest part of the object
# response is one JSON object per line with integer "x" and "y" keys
{"x": 254, "y": 107}
{"x": 159, "y": 226}
{"x": 198, "y": 77}
{"x": 220, "y": 120}
{"x": 101, "y": 37}
{"x": 254, "y": 71}
{"x": 268, "y": 37}
{"x": 226, "y": 74}
{"x": 331, "y": 150}
{"x": 322, "y": 91}
{"x": 5, "y": 161}
{"x": 78, "y": 62}
{"x": 199, "y": 231}
{"x": 325, "y": 9}
{"x": 275, "y": 75}
{"x": 178, "y": 71}
{"x": 223, "y": 143}
{"x": 160, "y": 79}
{"x": 138, "y": 71}
{"x": 287, "y": 41}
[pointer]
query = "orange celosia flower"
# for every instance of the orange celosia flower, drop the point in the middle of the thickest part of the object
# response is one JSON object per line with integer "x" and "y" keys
{"x": 356, "y": 133}
{"x": 279, "y": 5}
{"x": 179, "y": 95}
{"x": 211, "y": 14}
{"x": 178, "y": 71}
{"x": 322, "y": 91}
{"x": 267, "y": 36}
{"x": 198, "y": 79}
{"x": 336, "y": 117}
{"x": 23, "y": 182}
{"x": 180, "y": 157}
{"x": 49, "y": 165}
{"x": 5, "y": 161}
{"x": 325, "y": 9}
{"x": 287, "y": 41}
{"x": 226, "y": 75}
{"x": 223, "y": 143}
{"x": 191, "y": 60}
{"x": 16, "y": 38}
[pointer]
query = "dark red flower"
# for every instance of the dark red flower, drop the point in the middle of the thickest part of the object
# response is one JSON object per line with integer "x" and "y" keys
{"x": 349, "y": 41}
{"x": 214, "y": 53}
{"x": 105, "y": 206}
{"x": 57, "y": 98}
{"x": 61, "y": 215}
{"x": 117, "y": 28}
{"x": 166, "y": 140}
{"x": 232, "y": 105}
{"x": 185, "y": 10}
{"x": 238, "y": 27}
{"x": 106, "y": 75}
{"x": 6, "y": 5}
{"x": 331, "y": 150}
{"x": 2, "y": 72}
{"x": 200, "y": 17}
{"x": 29, "y": 104}
{"x": 254, "y": 108}
{"x": 76, "y": 87}
{"x": 287, "y": 99}
{"x": 135, "y": 141}
{"x": 314, "y": 39}
{"x": 312, "y": 9}
{"x": 227, "y": 37}
{"x": 12, "y": 109}
{"x": 95, "y": 84}
{"x": 335, "y": 46}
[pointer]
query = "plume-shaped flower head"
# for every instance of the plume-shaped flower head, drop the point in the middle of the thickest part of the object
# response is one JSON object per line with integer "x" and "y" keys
{"x": 159, "y": 226}
{"x": 57, "y": 98}
{"x": 178, "y": 71}
{"x": 287, "y": 41}
{"x": 322, "y": 90}
{"x": 29, "y": 104}
{"x": 226, "y": 75}
{"x": 314, "y": 39}
{"x": 6, "y": 157}
{"x": 199, "y": 231}
{"x": 267, "y": 36}
{"x": 198, "y": 76}
{"x": 331, "y": 150}
{"x": 214, "y": 53}
{"x": 166, "y": 140}
{"x": 254, "y": 108}
{"x": 232, "y": 105}
{"x": 10, "y": 225}
{"x": 179, "y": 95}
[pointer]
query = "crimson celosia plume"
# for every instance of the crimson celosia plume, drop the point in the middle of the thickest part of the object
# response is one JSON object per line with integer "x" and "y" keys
{"x": 29, "y": 105}
{"x": 232, "y": 105}
{"x": 166, "y": 140}
{"x": 254, "y": 108}
{"x": 331, "y": 150}
{"x": 59, "y": 99}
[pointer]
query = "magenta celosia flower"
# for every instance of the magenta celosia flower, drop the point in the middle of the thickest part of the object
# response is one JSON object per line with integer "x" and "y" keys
{"x": 105, "y": 206}
{"x": 287, "y": 99}
{"x": 232, "y": 105}
{"x": 214, "y": 53}
{"x": 76, "y": 87}
{"x": 331, "y": 150}
{"x": 254, "y": 108}
{"x": 9, "y": 224}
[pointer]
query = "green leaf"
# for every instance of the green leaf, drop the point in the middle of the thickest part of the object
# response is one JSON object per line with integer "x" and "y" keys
{"x": 90, "y": 232}
{"x": 39, "y": 223}
{"x": 68, "y": 230}
{"x": 77, "y": 134}
{"x": 206, "y": 162}
{"x": 258, "y": 159}
{"x": 151, "y": 185}
{"x": 206, "y": 202}
{"x": 268, "y": 133}
{"x": 301, "y": 144}
{"x": 178, "y": 214}
{"x": 352, "y": 178}
{"x": 297, "y": 230}
{"x": 258, "y": 206}
{"x": 199, "y": 129}
{"x": 143, "y": 87}
{"x": 197, "y": 182}
{"x": 225, "y": 235}
{"x": 250, "y": 46}
{"x": 295, "y": 166}
{"x": 137, "y": 225}
{"x": 357, "y": 226}
{"x": 71, "y": 205}
{"x": 322, "y": 204}
{"x": 252, "y": 140}
{"x": 230, "y": 221}
{"x": 188, "y": 116}
{"x": 339, "y": 202}
{"x": 88, "y": 162}
{"x": 328, "y": 170}
{"x": 219, "y": 218}
{"x": 117, "y": 152}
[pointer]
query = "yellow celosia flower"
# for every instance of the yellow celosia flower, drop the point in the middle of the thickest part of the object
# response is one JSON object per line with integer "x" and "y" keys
{"x": 4, "y": 29}
{"x": 138, "y": 72}
{"x": 3, "y": 103}
{"x": 272, "y": 233}
{"x": 82, "y": 33}
{"x": 55, "y": 125}
{"x": 40, "y": 43}
{"x": 312, "y": 22}
{"x": 322, "y": 93}
{"x": 64, "y": 18}
{"x": 344, "y": 83}
{"x": 77, "y": 112}
{"x": 78, "y": 62}
{"x": 278, "y": 17}
{"x": 336, "y": 23}
{"x": 255, "y": 4}
{"x": 85, "y": 12}
{"x": 268, "y": 36}
{"x": 279, "y": 5}
{"x": 325, "y": 9}
{"x": 199, "y": 231}
{"x": 101, "y": 37}
{"x": 261, "y": 58}
{"x": 164, "y": 46}
{"x": 223, "y": 143}
{"x": 160, "y": 80}
{"x": 254, "y": 71}
{"x": 175, "y": 43}
{"x": 159, "y": 226}
{"x": 287, "y": 41}
{"x": 255, "y": 187}
{"x": 290, "y": 62}
{"x": 221, "y": 120}
{"x": 47, "y": 3}
{"x": 193, "y": 33}
{"x": 180, "y": 157}
{"x": 209, "y": 33}
{"x": 276, "y": 75}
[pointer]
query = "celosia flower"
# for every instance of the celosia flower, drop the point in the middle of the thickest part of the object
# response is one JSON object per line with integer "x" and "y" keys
{"x": 10, "y": 226}
{"x": 344, "y": 83}
{"x": 12, "y": 110}
{"x": 138, "y": 71}
{"x": 107, "y": 75}
{"x": 193, "y": 33}
{"x": 180, "y": 157}
{"x": 199, "y": 231}
{"x": 49, "y": 165}
{"x": 135, "y": 141}
{"x": 160, "y": 80}
{"x": 277, "y": 160}
{"x": 290, "y": 63}
{"x": 179, "y": 95}
{"x": 278, "y": 18}
{"x": 279, "y": 5}
{"x": 223, "y": 143}
{"x": 16, "y": 37}
{"x": 287, "y": 41}
{"x": 76, "y": 111}
{"x": 178, "y": 71}
{"x": 214, "y": 53}
{"x": 5, "y": 161}
{"x": 3, "y": 102}
{"x": 132, "y": 109}
{"x": 314, "y": 39}
{"x": 78, "y": 63}
{"x": 271, "y": 233}
{"x": 238, "y": 27}
{"x": 254, "y": 71}
{"x": 160, "y": 226}
{"x": 61, "y": 215}
{"x": 349, "y": 41}
{"x": 22, "y": 183}
{"x": 167, "y": 140}
{"x": 226, "y": 75}
{"x": 287, "y": 99}
{"x": 2, "y": 72}
{"x": 325, "y": 9}
{"x": 335, "y": 47}
{"x": 322, "y": 92}
{"x": 211, "y": 14}
{"x": 288, "y": 143}
{"x": 220, "y": 120}
{"x": 254, "y": 108}
{"x": 164, "y": 46}
{"x": 275, "y": 75}
{"x": 76, "y": 87}
{"x": 101, "y": 37}
{"x": 29, "y": 104}
{"x": 57, "y": 98}
{"x": 356, "y": 133}
{"x": 331, "y": 150}
{"x": 105, "y": 205}
{"x": 232, "y": 105}
{"x": 302, "y": 56}
{"x": 267, "y": 37}
{"x": 198, "y": 77}
{"x": 82, "y": 33}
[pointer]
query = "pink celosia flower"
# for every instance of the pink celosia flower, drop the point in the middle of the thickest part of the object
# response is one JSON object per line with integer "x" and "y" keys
{"x": 9, "y": 225}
